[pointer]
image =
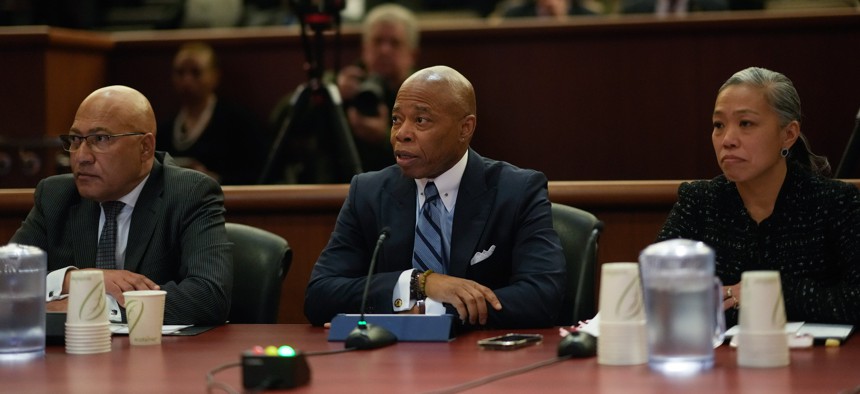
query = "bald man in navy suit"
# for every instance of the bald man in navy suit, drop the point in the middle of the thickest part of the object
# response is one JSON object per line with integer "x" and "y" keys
{"x": 502, "y": 264}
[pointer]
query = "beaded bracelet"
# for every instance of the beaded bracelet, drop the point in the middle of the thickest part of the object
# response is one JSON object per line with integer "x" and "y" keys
{"x": 422, "y": 287}
{"x": 414, "y": 288}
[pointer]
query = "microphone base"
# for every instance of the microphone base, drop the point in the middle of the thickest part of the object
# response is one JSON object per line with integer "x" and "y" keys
{"x": 406, "y": 328}
{"x": 369, "y": 336}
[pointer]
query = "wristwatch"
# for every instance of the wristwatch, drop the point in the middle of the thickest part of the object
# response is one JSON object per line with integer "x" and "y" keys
{"x": 421, "y": 307}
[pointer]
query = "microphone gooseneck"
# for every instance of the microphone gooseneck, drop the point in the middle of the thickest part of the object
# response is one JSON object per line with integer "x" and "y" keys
{"x": 383, "y": 235}
{"x": 367, "y": 336}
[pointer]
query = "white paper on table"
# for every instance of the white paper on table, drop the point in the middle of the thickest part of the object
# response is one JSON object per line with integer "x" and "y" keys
{"x": 790, "y": 328}
{"x": 122, "y": 329}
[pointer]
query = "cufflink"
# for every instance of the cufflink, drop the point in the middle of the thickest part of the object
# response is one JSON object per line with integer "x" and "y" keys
{"x": 398, "y": 303}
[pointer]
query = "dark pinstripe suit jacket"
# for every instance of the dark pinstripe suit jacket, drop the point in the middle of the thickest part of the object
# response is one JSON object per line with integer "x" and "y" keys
{"x": 497, "y": 205}
{"x": 176, "y": 237}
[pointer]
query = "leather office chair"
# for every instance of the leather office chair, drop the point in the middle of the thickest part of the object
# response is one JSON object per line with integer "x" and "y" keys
{"x": 579, "y": 232}
{"x": 261, "y": 260}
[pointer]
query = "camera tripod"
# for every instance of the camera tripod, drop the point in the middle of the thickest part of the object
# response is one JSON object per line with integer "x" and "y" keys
{"x": 314, "y": 143}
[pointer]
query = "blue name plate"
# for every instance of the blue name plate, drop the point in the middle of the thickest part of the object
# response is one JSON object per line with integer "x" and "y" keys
{"x": 407, "y": 328}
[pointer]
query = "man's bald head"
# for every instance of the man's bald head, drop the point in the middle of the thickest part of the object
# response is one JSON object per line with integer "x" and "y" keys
{"x": 433, "y": 120}
{"x": 112, "y": 170}
{"x": 462, "y": 94}
{"x": 131, "y": 107}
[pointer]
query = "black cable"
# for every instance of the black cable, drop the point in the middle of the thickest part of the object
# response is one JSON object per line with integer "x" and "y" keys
{"x": 211, "y": 383}
{"x": 328, "y": 352}
{"x": 501, "y": 375}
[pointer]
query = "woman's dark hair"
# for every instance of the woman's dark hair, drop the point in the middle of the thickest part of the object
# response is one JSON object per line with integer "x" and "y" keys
{"x": 783, "y": 98}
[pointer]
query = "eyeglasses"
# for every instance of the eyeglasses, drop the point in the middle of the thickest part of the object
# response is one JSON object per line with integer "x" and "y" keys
{"x": 97, "y": 142}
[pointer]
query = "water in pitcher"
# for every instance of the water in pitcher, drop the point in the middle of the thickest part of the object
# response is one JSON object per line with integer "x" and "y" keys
{"x": 680, "y": 336}
{"x": 22, "y": 306}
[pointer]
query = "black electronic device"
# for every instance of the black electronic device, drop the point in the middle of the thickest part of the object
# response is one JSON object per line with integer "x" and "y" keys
{"x": 510, "y": 341}
{"x": 274, "y": 368}
{"x": 55, "y": 328}
{"x": 578, "y": 344}
{"x": 370, "y": 94}
{"x": 368, "y": 336}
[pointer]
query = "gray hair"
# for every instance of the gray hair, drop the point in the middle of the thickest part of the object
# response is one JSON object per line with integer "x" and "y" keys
{"x": 782, "y": 97}
{"x": 396, "y": 14}
{"x": 778, "y": 90}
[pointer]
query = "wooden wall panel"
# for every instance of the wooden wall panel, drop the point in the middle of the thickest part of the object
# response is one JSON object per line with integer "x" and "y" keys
{"x": 586, "y": 99}
{"x": 44, "y": 74}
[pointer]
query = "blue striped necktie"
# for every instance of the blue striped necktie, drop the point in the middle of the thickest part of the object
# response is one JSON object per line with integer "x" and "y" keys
{"x": 106, "y": 251}
{"x": 428, "y": 252}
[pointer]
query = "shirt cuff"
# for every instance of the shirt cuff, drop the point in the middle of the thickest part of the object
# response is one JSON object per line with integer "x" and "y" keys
{"x": 433, "y": 307}
{"x": 114, "y": 314}
{"x": 400, "y": 299}
{"x": 54, "y": 284}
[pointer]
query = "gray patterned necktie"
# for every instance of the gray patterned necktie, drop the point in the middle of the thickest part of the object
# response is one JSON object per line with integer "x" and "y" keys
{"x": 428, "y": 252}
{"x": 106, "y": 252}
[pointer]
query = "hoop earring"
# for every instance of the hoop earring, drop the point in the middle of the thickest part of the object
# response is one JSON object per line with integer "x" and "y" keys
{"x": 783, "y": 152}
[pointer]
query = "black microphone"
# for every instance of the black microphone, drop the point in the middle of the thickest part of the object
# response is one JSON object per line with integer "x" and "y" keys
{"x": 367, "y": 336}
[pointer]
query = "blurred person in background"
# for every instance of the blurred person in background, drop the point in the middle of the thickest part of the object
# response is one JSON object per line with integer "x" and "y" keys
{"x": 209, "y": 133}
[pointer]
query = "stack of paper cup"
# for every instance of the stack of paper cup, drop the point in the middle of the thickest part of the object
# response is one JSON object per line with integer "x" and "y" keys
{"x": 87, "y": 325}
{"x": 145, "y": 312}
{"x": 762, "y": 341}
{"x": 622, "y": 338}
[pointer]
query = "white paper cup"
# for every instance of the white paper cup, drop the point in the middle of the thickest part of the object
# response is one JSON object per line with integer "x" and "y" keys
{"x": 622, "y": 344}
{"x": 88, "y": 342}
{"x": 87, "y": 304}
{"x": 622, "y": 338}
{"x": 144, "y": 310}
{"x": 762, "y": 306}
{"x": 621, "y": 293}
{"x": 88, "y": 349}
{"x": 762, "y": 342}
{"x": 763, "y": 350}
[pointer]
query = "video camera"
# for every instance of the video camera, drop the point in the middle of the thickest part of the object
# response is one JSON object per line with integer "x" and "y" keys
{"x": 303, "y": 8}
{"x": 370, "y": 94}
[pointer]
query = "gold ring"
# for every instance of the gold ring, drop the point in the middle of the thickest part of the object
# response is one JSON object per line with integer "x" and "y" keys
{"x": 728, "y": 293}
{"x": 737, "y": 303}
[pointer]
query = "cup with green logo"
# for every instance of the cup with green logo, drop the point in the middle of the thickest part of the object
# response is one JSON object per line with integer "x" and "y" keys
{"x": 144, "y": 310}
{"x": 87, "y": 303}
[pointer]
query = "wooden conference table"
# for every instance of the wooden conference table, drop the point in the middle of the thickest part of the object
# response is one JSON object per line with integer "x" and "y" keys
{"x": 181, "y": 363}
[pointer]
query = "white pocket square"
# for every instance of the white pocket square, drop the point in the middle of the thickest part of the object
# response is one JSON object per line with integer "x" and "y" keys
{"x": 481, "y": 256}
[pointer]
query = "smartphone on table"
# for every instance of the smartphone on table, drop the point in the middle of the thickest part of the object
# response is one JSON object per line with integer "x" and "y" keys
{"x": 510, "y": 341}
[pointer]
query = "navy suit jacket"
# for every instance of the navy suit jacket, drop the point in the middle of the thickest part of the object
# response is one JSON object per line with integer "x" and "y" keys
{"x": 176, "y": 237}
{"x": 497, "y": 204}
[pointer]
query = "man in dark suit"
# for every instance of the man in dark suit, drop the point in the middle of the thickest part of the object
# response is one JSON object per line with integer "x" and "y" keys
{"x": 169, "y": 230}
{"x": 499, "y": 262}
